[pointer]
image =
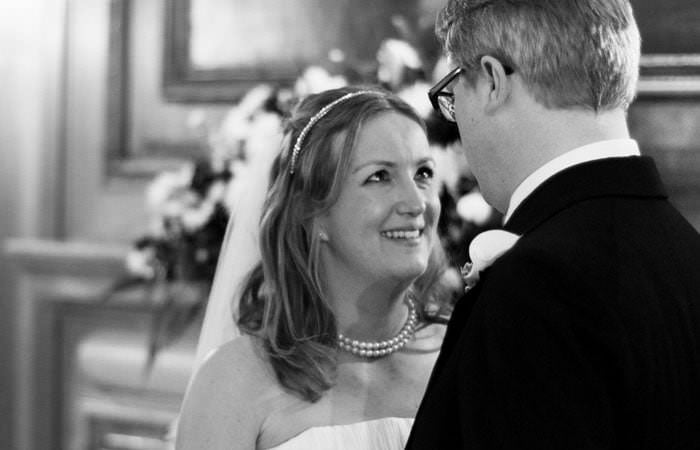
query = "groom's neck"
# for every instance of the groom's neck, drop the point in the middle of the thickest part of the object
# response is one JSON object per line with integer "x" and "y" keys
{"x": 537, "y": 137}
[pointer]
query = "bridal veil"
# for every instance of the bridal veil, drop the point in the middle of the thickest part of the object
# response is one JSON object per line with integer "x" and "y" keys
{"x": 239, "y": 250}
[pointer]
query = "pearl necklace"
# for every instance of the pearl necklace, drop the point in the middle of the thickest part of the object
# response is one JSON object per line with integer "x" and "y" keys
{"x": 376, "y": 349}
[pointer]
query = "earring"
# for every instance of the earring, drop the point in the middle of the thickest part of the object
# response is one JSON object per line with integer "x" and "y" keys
{"x": 323, "y": 236}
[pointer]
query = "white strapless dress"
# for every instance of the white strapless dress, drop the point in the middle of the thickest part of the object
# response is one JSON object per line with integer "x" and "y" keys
{"x": 388, "y": 433}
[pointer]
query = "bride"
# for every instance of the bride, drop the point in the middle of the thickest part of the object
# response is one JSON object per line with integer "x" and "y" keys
{"x": 335, "y": 349}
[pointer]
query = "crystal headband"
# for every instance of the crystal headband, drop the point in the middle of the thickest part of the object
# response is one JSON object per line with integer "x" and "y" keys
{"x": 316, "y": 117}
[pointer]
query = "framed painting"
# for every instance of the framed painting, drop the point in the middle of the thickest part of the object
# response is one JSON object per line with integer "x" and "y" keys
{"x": 217, "y": 49}
{"x": 146, "y": 133}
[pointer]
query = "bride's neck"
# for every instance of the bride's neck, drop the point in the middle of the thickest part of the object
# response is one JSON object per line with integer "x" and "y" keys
{"x": 371, "y": 313}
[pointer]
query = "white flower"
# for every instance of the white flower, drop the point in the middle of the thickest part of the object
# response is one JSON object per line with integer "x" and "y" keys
{"x": 195, "y": 218}
{"x": 316, "y": 79}
{"x": 393, "y": 55}
{"x": 174, "y": 208}
{"x": 484, "y": 250}
{"x": 216, "y": 192}
{"x": 227, "y": 140}
{"x": 179, "y": 202}
{"x": 473, "y": 208}
{"x": 400, "y": 50}
{"x": 416, "y": 95}
{"x": 139, "y": 262}
{"x": 166, "y": 186}
{"x": 156, "y": 227}
{"x": 254, "y": 99}
{"x": 235, "y": 125}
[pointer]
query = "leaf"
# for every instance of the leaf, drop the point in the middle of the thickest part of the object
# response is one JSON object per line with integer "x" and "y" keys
{"x": 181, "y": 305}
{"x": 120, "y": 285}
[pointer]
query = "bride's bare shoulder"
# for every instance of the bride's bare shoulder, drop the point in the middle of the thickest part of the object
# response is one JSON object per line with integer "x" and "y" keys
{"x": 243, "y": 350}
{"x": 235, "y": 364}
{"x": 221, "y": 403}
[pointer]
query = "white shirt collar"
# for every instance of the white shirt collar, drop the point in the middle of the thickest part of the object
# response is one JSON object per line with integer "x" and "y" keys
{"x": 612, "y": 148}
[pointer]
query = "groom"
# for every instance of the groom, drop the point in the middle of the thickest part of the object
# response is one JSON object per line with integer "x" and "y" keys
{"x": 586, "y": 333}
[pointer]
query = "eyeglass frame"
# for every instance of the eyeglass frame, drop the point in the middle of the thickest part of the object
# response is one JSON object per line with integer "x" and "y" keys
{"x": 437, "y": 91}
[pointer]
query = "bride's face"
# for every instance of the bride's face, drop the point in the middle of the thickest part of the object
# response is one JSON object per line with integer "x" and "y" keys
{"x": 384, "y": 221}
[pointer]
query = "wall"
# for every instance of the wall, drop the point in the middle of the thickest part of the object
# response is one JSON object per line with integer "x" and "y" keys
{"x": 101, "y": 205}
{"x": 30, "y": 45}
{"x": 669, "y": 131}
{"x": 98, "y": 207}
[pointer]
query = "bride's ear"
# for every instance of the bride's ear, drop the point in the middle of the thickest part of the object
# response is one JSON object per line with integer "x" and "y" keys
{"x": 318, "y": 229}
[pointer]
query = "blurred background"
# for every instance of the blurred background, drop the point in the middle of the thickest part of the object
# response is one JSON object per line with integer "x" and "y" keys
{"x": 129, "y": 130}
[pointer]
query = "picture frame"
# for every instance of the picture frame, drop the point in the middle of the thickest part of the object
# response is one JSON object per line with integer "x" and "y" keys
{"x": 198, "y": 38}
{"x": 670, "y": 63}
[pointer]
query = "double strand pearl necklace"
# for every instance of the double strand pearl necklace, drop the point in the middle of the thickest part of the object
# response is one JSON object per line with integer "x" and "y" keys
{"x": 377, "y": 349}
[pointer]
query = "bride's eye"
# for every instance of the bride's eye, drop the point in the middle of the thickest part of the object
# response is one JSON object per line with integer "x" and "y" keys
{"x": 425, "y": 173}
{"x": 378, "y": 176}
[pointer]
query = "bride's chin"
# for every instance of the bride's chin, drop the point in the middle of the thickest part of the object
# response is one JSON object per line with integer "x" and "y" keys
{"x": 413, "y": 272}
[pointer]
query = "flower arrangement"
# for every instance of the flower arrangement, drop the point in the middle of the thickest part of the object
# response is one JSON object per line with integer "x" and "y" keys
{"x": 175, "y": 262}
{"x": 188, "y": 221}
{"x": 173, "y": 265}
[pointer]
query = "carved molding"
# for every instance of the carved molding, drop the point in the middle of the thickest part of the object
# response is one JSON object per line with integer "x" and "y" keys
{"x": 59, "y": 321}
{"x": 670, "y": 75}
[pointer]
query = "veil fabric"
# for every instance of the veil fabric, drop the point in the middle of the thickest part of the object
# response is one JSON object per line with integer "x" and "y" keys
{"x": 239, "y": 251}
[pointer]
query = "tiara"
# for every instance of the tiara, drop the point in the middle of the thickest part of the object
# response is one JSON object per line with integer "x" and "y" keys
{"x": 316, "y": 117}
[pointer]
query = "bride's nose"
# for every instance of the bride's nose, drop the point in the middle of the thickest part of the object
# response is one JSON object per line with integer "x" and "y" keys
{"x": 411, "y": 199}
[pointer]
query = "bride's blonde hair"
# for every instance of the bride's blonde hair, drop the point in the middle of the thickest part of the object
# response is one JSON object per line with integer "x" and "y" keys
{"x": 283, "y": 303}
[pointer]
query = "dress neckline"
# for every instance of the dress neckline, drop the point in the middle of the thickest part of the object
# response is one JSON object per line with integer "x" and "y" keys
{"x": 360, "y": 422}
{"x": 368, "y": 422}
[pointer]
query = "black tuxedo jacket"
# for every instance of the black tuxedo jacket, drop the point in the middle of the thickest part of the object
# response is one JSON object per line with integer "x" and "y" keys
{"x": 584, "y": 335}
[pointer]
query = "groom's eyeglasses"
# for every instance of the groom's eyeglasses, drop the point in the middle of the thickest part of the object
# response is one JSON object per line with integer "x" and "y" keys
{"x": 444, "y": 101}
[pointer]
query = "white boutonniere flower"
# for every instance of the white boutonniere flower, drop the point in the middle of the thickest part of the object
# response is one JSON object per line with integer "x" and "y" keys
{"x": 484, "y": 250}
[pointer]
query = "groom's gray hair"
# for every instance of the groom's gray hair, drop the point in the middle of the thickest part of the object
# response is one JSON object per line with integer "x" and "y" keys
{"x": 571, "y": 53}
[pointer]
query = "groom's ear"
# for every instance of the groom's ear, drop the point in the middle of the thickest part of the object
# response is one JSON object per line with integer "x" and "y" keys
{"x": 498, "y": 84}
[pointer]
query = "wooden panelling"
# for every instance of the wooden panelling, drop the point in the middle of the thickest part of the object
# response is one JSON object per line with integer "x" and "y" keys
{"x": 669, "y": 131}
{"x": 80, "y": 363}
